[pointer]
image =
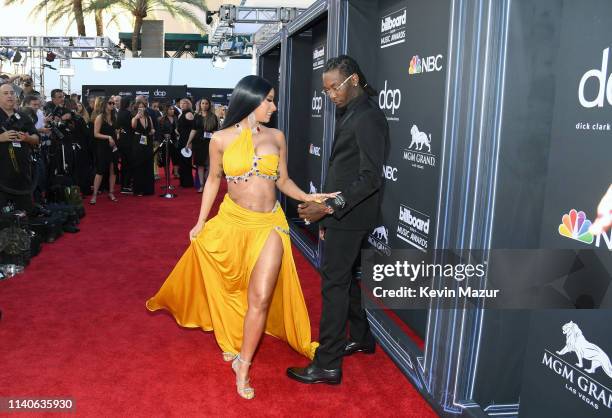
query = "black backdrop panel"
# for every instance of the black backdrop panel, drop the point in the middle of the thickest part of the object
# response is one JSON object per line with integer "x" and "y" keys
{"x": 409, "y": 73}
{"x": 270, "y": 70}
{"x": 217, "y": 96}
{"x": 542, "y": 175}
{"x": 305, "y": 134}
{"x": 165, "y": 94}
{"x": 567, "y": 370}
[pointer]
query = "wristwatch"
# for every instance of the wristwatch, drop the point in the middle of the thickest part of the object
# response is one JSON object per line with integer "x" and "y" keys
{"x": 337, "y": 203}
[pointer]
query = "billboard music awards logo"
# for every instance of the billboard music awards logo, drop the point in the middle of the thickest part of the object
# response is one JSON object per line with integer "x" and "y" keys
{"x": 419, "y": 151}
{"x": 581, "y": 379}
{"x": 390, "y": 99}
{"x": 313, "y": 150}
{"x": 142, "y": 93}
{"x": 316, "y": 105}
{"x": 429, "y": 64}
{"x": 318, "y": 57}
{"x": 575, "y": 225}
{"x": 413, "y": 227}
{"x": 393, "y": 28}
{"x": 379, "y": 239}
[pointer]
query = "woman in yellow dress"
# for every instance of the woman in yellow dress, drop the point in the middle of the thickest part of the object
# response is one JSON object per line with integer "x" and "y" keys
{"x": 238, "y": 277}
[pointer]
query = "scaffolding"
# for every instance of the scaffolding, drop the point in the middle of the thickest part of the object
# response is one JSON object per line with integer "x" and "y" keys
{"x": 273, "y": 18}
{"x": 40, "y": 51}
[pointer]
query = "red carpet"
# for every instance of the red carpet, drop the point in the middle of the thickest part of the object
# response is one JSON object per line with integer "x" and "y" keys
{"x": 75, "y": 325}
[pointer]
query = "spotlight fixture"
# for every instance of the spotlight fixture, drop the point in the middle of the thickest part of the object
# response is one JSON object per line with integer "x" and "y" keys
{"x": 17, "y": 57}
{"x": 6, "y": 53}
{"x": 209, "y": 17}
{"x": 117, "y": 64}
{"x": 50, "y": 56}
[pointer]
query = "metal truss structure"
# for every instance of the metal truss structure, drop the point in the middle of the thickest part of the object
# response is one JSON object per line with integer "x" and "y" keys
{"x": 64, "y": 48}
{"x": 273, "y": 18}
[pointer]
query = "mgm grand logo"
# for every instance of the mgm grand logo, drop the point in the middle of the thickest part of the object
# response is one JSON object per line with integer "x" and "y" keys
{"x": 419, "y": 151}
{"x": 581, "y": 380}
{"x": 379, "y": 239}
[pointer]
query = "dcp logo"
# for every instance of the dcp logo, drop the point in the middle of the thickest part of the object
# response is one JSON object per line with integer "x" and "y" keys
{"x": 390, "y": 99}
{"x": 317, "y": 102}
{"x": 600, "y": 76}
{"x": 159, "y": 93}
{"x": 390, "y": 173}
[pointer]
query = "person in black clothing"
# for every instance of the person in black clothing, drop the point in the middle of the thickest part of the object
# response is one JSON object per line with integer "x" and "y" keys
{"x": 105, "y": 146}
{"x": 126, "y": 143}
{"x": 361, "y": 142}
{"x": 144, "y": 183}
{"x": 17, "y": 137}
{"x": 168, "y": 132}
{"x": 205, "y": 123}
{"x": 184, "y": 126}
{"x": 57, "y": 100}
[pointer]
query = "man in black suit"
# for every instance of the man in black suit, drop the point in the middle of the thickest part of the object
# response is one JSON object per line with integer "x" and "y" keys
{"x": 361, "y": 141}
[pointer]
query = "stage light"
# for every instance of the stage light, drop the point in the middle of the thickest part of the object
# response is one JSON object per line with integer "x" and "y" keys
{"x": 209, "y": 17}
{"x": 117, "y": 64}
{"x": 18, "y": 57}
{"x": 7, "y": 53}
{"x": 50, "y": 56}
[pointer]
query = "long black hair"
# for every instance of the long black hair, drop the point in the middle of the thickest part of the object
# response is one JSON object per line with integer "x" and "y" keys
{"x": 348, "y": 66}
{"x": 246, "y": 97}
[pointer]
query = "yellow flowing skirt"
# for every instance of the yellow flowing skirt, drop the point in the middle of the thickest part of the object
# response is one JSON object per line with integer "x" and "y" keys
{"x": 208, "y": 287}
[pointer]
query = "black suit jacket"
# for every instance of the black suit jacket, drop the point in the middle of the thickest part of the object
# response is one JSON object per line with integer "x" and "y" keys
{"x": 361, "y": 143}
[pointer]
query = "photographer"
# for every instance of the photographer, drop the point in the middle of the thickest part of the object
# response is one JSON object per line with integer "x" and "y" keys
{"x": 28, "y": 87}
{"x": 57, "y": 101}
{"x": 17, "y": 137}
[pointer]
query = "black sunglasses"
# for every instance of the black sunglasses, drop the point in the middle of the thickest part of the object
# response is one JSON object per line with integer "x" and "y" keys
{"x": 111, "y": 103}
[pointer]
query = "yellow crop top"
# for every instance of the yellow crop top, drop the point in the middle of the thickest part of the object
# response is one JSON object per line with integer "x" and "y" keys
{"x": 240, "y": 161}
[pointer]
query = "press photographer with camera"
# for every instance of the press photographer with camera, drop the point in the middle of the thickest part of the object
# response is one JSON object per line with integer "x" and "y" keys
{"x": 57, "y": 100}
{"x": 17, "y": 137}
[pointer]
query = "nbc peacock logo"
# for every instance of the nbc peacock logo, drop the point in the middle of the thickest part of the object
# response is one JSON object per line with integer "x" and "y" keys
{"x": 576, "y": 226}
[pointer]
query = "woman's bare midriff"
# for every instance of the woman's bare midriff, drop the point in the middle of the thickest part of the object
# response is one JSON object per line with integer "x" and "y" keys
{"x": 257, "y": 194}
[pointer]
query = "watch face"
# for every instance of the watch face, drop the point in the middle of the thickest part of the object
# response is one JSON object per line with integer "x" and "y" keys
{"x": 339, "y": 201}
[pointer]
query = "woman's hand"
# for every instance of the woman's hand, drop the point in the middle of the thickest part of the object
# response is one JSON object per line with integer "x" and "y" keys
{"x": 196, "y": 230}
{"x": 603, "y": 222}
{"x": 320, "y": 197}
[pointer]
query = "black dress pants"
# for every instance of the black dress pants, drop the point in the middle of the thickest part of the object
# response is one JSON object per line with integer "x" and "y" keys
{"x": 341, "y": 298}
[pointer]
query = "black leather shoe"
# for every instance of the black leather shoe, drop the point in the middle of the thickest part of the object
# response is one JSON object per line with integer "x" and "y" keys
{"x": 353, "y": 347}
{"x": 314, "y": 374}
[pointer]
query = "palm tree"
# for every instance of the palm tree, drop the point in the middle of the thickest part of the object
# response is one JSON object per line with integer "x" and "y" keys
{"x": 140, "y": 9}
{"x": 56, "y": 10}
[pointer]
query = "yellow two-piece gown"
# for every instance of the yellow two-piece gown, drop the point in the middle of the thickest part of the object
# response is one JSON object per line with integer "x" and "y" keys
{"x": 208, "y": 287}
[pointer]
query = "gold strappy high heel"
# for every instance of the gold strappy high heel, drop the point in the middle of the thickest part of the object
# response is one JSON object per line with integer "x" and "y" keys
{"x": 242, "y": 386}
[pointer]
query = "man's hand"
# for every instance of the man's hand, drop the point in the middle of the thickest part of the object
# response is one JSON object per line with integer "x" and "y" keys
{"x": 9, "y": 136}
{"x": 312, "y": 211}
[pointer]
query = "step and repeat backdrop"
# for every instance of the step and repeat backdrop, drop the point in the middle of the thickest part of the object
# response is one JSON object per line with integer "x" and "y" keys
{"x": 162, "y": 94}
{"x": 305, "y": 117}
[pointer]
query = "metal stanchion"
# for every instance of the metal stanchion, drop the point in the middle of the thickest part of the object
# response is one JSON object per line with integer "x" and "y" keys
{"x": 168, "y": 187}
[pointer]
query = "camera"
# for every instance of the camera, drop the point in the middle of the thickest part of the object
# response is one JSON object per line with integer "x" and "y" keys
{"x": 16, "y": 122}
